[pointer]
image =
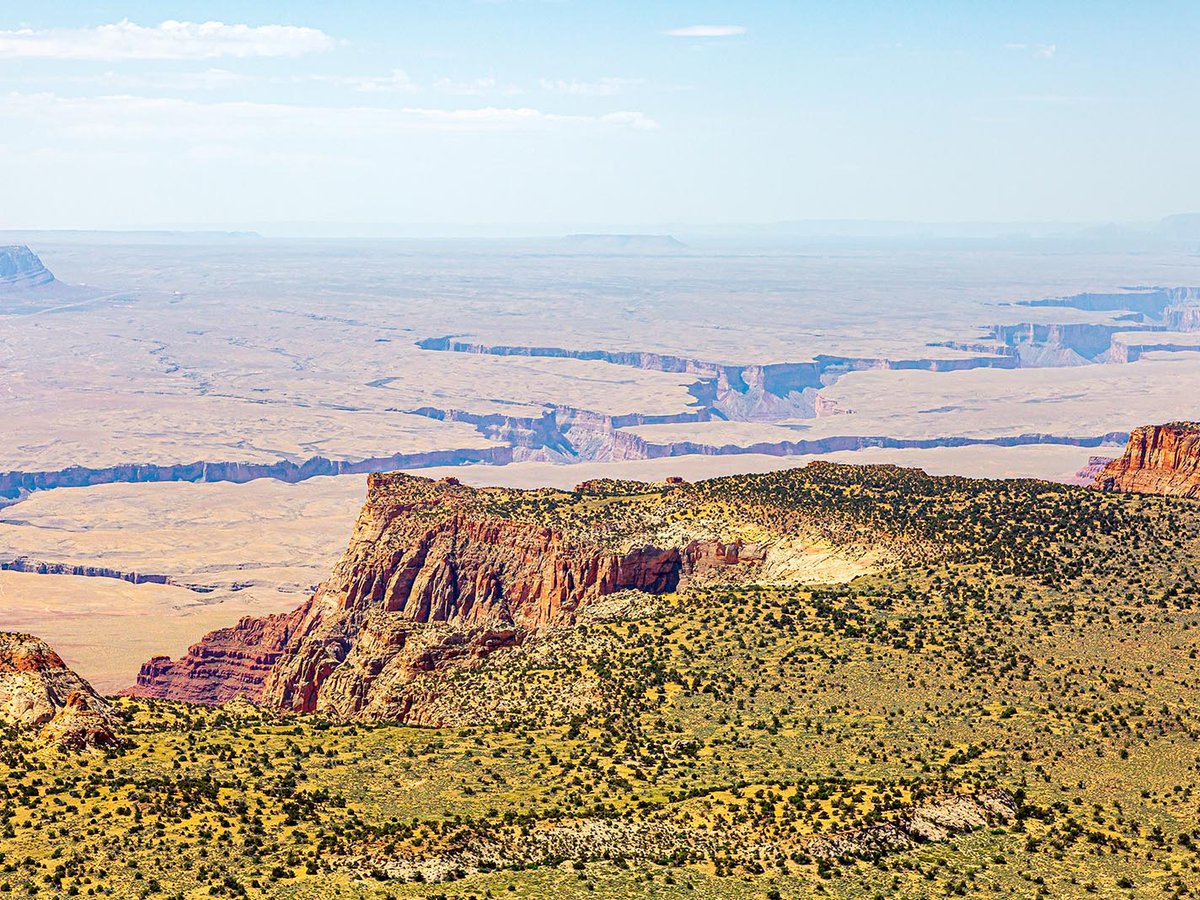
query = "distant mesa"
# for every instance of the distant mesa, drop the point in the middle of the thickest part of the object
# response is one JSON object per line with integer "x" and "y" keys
{"x": 23, "y": 277}
{"x": 20, "y": 269}
{"x": 1181, "y": 227}
{"x": 1159, "y": 459}
{"x": 623, "y": 243}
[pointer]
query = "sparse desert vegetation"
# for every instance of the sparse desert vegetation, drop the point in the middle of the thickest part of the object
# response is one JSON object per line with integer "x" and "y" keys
{"x": 1034, "y": 647}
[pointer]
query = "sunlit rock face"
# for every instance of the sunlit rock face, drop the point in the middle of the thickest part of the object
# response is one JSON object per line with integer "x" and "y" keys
{"x": 1159, "y": 459}
{"x": 38, "y": 690}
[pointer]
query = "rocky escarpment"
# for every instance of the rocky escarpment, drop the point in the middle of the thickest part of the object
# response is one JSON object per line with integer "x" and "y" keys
{"x": 575, "y": 435}
{"x": 627, "y": 446}
{"x": 437, "y": 576}
{"x": 1059, "y": 344}
{"x": 14, "y": 484}
{"x": 1158, "y": 459}
{"x": 41, "y": 567}
{"x": 745, "y": 393}
{"x": 1148, "y": 301}
{"x": 38, "y": 691}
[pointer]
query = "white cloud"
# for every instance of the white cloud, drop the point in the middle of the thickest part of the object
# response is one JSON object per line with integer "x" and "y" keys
{"x": 477, "y": 87}
{"x": 112, "y": 81}
{"x": 708, "y": 31}
{"x": 134, "y": 119}
{"x": 208, "y": 80}
{"x": 126, "y": 40}
{"x": 1040, "y": 51}
{"x": 603, "y": 87}
{"x": 396, "y": 82}
{"x": 637, "y": 120}
{"x": 399, "y": 82}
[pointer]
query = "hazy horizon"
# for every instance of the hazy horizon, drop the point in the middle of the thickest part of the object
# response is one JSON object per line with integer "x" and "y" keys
{"x": 1182, "y": 226}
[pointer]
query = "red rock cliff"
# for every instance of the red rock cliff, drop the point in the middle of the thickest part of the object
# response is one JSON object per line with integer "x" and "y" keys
{"x": 1159, "y": 459}
{"x": 227, "y": 663}
{"x": 435, "y": 576}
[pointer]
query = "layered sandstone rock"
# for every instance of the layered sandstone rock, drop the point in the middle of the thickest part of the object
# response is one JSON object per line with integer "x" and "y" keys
{"x": 437, "y": 576}
{"x": 37, "y": 690}
{"x": 1159, "y": 459}
{"x": 225, "y": 664}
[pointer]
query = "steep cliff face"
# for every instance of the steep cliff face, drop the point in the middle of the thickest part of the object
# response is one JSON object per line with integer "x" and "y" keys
{"x": 37, "y": 690}
{"x": 227, "y": 663}
{"x": 437, "y": 576}
{"x": 1183, "y": 318}
{"x": 1159, "y": 459}
{"x": 13, "y": 484}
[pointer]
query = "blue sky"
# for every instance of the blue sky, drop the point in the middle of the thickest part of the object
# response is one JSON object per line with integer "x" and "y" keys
{"x": 527, "y": 113}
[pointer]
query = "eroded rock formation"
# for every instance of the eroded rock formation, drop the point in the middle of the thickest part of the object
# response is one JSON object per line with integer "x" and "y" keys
{"x": 37, "y": 690}
{"x": 935, "y": 820}
{"x": 1087, "y": 474}
{"x": 80, "y": 725}
{"x": 1158, "y": 459}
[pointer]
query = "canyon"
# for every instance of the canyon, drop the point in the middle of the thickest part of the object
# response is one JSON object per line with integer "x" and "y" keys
{"x": 717, "y": 398}
{"x": 224, "y": 365}
{"x": 748, "y": 675}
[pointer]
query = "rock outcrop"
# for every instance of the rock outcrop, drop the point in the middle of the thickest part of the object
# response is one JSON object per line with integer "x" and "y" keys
{"x": 80, "y": 725}
{"x": 37, "y": 690}
{"x": 1158, "y": 459}
{"x": 935, "y": 820}
{"x": 437, "y": 576}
